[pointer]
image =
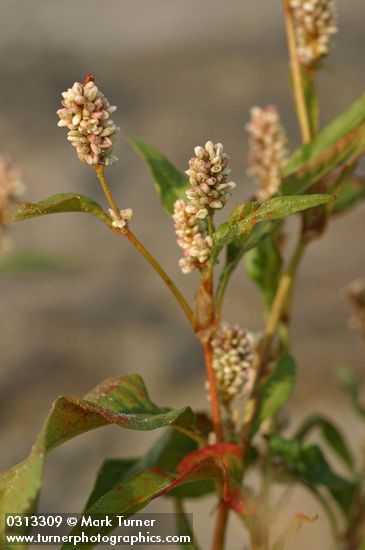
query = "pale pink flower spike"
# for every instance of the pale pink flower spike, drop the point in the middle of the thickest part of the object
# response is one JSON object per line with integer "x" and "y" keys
{"x": 267, "y": 152}
{"x": 86, "y": 113}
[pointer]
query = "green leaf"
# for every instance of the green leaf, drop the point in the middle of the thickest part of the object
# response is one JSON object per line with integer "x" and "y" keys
{"x": 263, "y": 264}
{"x": 331, "y": 435}
{"x": 126, "y": 499}
{"x": 351, "y": 192}
{"x": 241, "y": 223}
{"x": 307, "y": 464}
{"x": 111, "y": 473}
{"x": 343, "y": 140}
{"x": 57, "y": 204}
{"x": 28, "y": 261}
{"x": 277, "y": 389}
{"x": 122, "y": 400}
{"x": 174, "y": 454}
{"x": 170, "y": 183}
{"x": 236, "y": 251}
{"x": 183, "y": 526}
{"x": 169, "y": 450}
{"x": 352, "y": 385}
{"x": 135, "y": 493}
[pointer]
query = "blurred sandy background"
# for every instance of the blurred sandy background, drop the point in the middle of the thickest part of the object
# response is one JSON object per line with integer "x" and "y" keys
{"x": 181, "y": 72}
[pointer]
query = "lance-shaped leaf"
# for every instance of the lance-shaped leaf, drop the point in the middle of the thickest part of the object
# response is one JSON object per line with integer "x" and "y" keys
{"x": 122, "y": 400}
{"x": 126, "y": 499}
{"x": 166, "y": 454}
{"x": 277, "y": 389}
{"x": 331, "y": 434}
{"x": 350, "y": 193}
{"x": 307, "y": 464}
{"x": 342, "y": 141}
{"x": 170, "y": 183}
{"x": 133, "y": 494}
{"x": 57, "y": 204}
{"x": 236, "y": 251}
{"x": 184, "y": 527}
{"x": 242, "y": 222}
{"x": 263, "y": 264}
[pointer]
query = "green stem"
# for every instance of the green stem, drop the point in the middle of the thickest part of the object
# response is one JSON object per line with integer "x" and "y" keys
{"x": 210, "y": 225}
{"x": 99, "y": 169}
{"x": 283, "y": 293}
{"x": 223, "y": 282}
{"x": 142, "y": 249}
{"x": 279, "y": 306}
{"x": 184, "y": 525}
{"x": 296, "y": 72}
{"x": 162, "y": 273}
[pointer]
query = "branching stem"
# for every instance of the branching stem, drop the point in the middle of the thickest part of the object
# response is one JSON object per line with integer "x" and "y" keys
{"x": 143, "y": 250}
{"x": 162, "y": 273}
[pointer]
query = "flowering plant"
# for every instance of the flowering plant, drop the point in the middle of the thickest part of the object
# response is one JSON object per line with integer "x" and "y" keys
{"x": 249, "y": 376}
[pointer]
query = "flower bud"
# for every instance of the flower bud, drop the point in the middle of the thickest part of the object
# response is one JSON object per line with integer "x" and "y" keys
{"x": 124, "y": 218}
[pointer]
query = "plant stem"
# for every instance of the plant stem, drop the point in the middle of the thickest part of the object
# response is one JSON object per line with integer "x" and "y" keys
{"x": 162, "y": 273}
{"x": 296, "y": 72}
{"x": 278, "y": 307}
{"x": 332, "y": 520}
{"x": 206, "y": 319}
{"x": 184, "y": 525}
{"x": 283, "y": 293}
{"x": 99, "y": 169}
{"x": 142, "y": 249}
{"x": 220, "y": 527}
{"x": 210, "y": 225}
{"x": 213, "y": 392}
{"x": 223, "y": 282}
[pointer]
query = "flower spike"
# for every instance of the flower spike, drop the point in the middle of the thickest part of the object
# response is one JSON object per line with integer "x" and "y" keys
{"x": 86, "y": 113}
{"x": 315, "y": 21}
{"x": 192, "y": 238}
{"x": 267, "y": 150}
{"x": 208, "y": 175}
